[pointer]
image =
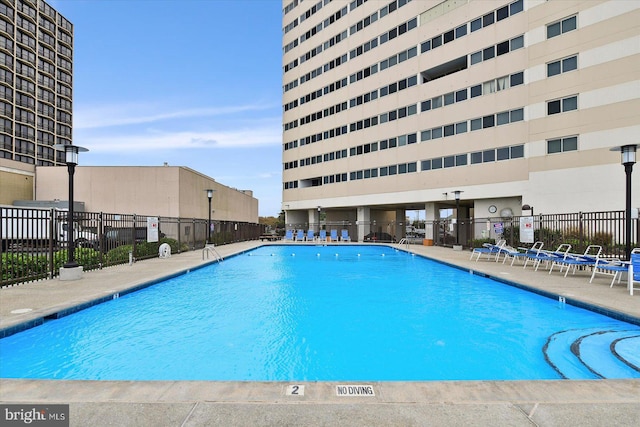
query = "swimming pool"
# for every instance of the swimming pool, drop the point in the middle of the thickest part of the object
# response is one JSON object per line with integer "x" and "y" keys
{"x": 285, "y": 313}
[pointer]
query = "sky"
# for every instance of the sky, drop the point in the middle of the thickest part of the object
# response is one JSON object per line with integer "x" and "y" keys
{"x": 193, "y": 83}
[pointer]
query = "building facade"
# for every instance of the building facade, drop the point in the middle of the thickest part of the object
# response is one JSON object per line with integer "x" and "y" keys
{"x": 36, "y": 82}
{"x": 36, "y": 93}
{"x": 172, "y": 191}
{"x": 399, "y": 105}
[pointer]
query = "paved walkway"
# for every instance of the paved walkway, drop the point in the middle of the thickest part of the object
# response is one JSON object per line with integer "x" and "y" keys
{"x": 195, "y": 403}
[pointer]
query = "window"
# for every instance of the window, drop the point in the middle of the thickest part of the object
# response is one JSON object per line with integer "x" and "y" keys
{"x": 562, "y": 144}
{"x": 489, "y": 156}
{"x": 561, "y": 27}
{"x": 476, "y": 24}
{"x": 517, "y": 151}
{"x": 562, "y": 105}
{"x": 476, "y": 124}
{"x": 476, "y": 91}
{"x": 461, "y": 127}
{"x": 517, "y": 79}
{"x": 461, "y": 160}
{"x": 502, "y": 153}
{"x": 562, "y": 66}
{"x": 476, "y": 157}
{"x": 476, "y": 57}
{"x": 461, "y": 95}
{"x": 517, "y": 43}
{"x": 503, "y": 118}
{"x": 425, "y": 165}
{"x": 449, "y": 161}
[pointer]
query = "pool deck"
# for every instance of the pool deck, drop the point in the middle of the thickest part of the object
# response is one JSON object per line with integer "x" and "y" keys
{"x": 212, "y": 403}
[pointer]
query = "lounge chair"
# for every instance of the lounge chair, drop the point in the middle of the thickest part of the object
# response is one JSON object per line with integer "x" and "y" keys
{"x": 547, "y": 256}
{"x": 334, "y": 235}
{"x": 311, "y": 236}
{"x": 634, "y": 272}
{"x": 614, "y": 267}
{"x": 344, "y": 236}
{"x": 519, "y": 253}
{"x": 323, "y": 236}
{"x": 300, "y": 236}
{"x": 489, "y": 249}
{"x": 288, "y": 235}
{"x": 588, "y": 259}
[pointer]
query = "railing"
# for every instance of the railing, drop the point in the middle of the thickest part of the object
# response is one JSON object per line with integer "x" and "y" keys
{"x": 34, "y": 241}
{"x": 580, "y": 230}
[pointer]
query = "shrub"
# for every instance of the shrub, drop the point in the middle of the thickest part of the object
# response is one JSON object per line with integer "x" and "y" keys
{"x": 477, "y": 243}
{"x": 84, "y": 256}
{"x": 17, "y": 266}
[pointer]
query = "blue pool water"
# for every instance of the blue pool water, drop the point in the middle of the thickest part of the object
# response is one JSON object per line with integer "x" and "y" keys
{"x": 286, "y": 313}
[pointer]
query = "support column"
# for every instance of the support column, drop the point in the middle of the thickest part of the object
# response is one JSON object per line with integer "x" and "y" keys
{"x": 314, "y": 220}
{"x": 401, "y": 224}
{"x": 364, "y": 222}
{"x": 431, "y": 215}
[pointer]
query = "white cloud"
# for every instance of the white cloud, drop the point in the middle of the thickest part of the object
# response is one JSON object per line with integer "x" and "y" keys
{"x": 132, "y": 114}
{"x": 144, "y": 141}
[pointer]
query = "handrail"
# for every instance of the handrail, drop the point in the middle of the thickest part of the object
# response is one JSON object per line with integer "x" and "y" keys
{"x": 404, "y": 241}
{"x": 211, "y": 249}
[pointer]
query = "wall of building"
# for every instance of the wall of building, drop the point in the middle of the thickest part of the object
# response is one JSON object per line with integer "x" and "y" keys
{"x": 147, "y": 190}
{"x": 16, "y": 181}
{"x": 604, "y": 83}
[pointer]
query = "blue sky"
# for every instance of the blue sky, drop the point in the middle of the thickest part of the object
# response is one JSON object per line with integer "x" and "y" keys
{"x": 193, "y": 83}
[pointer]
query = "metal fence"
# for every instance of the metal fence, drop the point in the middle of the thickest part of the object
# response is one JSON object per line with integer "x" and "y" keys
{"x": 34, "y": 241}
{"x": 580, "y": 230}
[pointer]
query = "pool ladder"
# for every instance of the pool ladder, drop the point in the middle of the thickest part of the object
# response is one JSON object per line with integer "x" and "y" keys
{"x": 211, "y": 250}
{"x": 404, "y": 241}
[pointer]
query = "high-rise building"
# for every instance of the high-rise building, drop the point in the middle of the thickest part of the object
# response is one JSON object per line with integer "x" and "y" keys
{"x": 400, "y": 105}
{"x": 36, "y": 88}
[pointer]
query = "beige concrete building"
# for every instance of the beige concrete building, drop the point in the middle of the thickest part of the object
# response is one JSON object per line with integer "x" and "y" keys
{"x": 393, "y": 106}
{"x": 173, "y": 191}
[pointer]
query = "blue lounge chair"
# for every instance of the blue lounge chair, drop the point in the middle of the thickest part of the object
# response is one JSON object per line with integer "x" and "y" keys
{"x": 334, "y": 235}
{"x": 323, "y": 236}
{"x": 548, "y": 256}
{"x": 288, "y": 235}
{"x": 311, "y": 236}
{"x": 300, "y": 236}
{"x": 519, "y": 253}
{"x": 614, "y": 267}
{"x": 634, "y": 272}
{"x": 345, "y": 236}
{"x": 588, "y": 259}
{"x": 489, "y": 249}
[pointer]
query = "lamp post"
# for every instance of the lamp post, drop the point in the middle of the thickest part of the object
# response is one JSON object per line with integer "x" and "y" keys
{"x": 457, "y": 196}
{"x": 71, "y": 159}
{"x": 209, "y": 196}
{"x": 627, "y": 159}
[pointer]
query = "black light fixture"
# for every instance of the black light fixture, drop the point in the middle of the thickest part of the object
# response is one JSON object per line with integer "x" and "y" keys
{"x": 456, "y": 193}
{"x": 209, "y": 196}
{"x": 71, "y": 159}
{"x": 528, "y": 208}
{"x": 627, "y": 159}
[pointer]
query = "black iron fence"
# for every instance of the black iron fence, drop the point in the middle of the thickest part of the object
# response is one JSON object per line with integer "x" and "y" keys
{"x": 580, "y": 230}
{"x": 34, "y": 241}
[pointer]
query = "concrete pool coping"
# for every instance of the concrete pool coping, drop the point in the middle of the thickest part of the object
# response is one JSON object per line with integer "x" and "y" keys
{"x": 158, "y": 403}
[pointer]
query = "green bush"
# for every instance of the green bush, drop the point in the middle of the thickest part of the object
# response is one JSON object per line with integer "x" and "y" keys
{"x": 16, "y": 266}
{"x": 477, "y": 243}
{"x": 83, "y": 256}
{"x": 143, "y": 250}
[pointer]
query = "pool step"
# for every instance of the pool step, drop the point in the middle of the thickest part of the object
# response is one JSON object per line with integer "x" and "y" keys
{"x": 594, "y": 353}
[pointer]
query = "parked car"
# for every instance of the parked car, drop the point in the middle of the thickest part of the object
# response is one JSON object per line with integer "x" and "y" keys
{"x": 379, "y": 237}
